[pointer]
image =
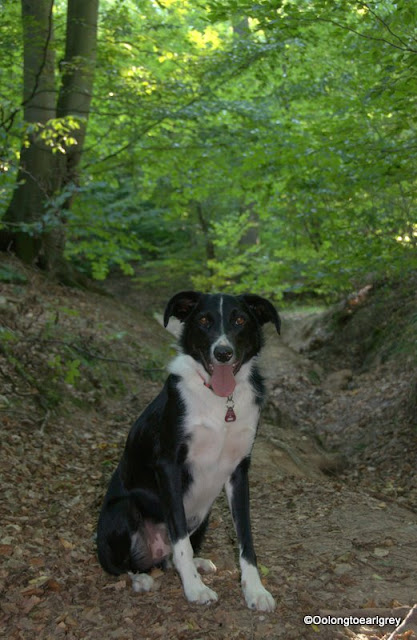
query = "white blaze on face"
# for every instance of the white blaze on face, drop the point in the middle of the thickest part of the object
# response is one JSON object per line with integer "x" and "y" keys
{"x": 222, "y": 340}
{"x": 222, "y": 378}
{"x": 221, "y": 315}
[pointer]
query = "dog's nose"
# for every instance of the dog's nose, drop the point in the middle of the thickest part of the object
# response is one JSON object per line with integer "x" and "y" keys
{"x": 223, "y": 353}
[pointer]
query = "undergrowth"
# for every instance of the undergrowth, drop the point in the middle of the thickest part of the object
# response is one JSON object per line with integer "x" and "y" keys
{"x": 56, "y": 352}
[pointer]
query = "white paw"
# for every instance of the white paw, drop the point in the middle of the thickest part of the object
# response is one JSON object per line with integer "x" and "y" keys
{"x": 206, "y": 566}
{"x": 141, "y": 582}
{"x": 259, "y": 599}
{"x": 201, "y": 594}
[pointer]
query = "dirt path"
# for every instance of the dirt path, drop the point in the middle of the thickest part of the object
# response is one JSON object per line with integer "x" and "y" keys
{"x": 324, "y": 545}
{"x": 340, "y": 547}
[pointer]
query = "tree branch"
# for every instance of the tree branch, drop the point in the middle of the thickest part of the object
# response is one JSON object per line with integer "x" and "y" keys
{"x": 360, "y": 34}
{"x": 385, "y": 24}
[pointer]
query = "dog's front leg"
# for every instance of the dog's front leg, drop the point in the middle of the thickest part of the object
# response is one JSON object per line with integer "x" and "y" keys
{"x": 237, "y": 490}
{"x": 170, "y": 484}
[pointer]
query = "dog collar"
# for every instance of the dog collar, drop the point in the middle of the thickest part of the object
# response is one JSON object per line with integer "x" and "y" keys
{"x": 230, "y": 415}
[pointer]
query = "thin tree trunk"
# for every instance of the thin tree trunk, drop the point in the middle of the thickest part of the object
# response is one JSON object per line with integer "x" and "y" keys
{"x": 241, "y": 27}
{"x": 251, "y": 235}
{"x": 210, "y": 250}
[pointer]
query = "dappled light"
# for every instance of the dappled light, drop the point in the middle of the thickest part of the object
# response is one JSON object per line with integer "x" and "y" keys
{"x": 263, "y": 150}
{"x": 292, "y": 116}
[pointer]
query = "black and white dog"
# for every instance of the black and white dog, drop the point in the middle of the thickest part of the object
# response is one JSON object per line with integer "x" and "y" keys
{"x": 194, "y": 439}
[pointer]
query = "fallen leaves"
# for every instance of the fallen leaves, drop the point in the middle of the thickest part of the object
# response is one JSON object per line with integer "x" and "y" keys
{"x": 116, "y": 586}
{"x": 6, "y": 549}
{"x": 53, "y": 587}
{"x": 30, "y": 603}
{"x": 37, "y": 586}
{"x": 69, "y": 546}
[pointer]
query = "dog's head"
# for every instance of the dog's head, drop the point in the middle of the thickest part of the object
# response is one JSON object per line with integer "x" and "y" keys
{"x": 222, "y": 332}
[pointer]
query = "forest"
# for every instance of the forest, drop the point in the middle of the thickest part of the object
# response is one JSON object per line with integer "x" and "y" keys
{"x": 235, "y": 144}
{"x": 238, "y": 146}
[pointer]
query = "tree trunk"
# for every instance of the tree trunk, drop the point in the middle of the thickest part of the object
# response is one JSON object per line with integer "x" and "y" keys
{"x": 36, "y": 173}
{"x": 78, "y": 75}
{"x": 251, "y": 235}
{"x": 205, "y": 227}
{"x": 43, "y": 174}
{"x": 241, "y": 27}
{"x": 74, "y": 100}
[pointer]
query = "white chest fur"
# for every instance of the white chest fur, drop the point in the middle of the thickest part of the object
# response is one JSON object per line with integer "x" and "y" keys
{"x": 215, "y": 446}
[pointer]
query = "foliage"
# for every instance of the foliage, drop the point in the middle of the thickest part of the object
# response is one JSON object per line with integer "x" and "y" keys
{"x": 243, "y": 145}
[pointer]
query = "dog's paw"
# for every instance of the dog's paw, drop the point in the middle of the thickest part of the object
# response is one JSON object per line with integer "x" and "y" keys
{"x": 206, "y": 566}
{"x": 259, "y": 599}
{"x": 201, "y": 594}
{"x": 142, "y": 582}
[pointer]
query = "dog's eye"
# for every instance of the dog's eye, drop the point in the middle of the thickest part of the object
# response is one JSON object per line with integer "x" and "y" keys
{"x": 204, "y": 321}
{"x": 240, "y": 321}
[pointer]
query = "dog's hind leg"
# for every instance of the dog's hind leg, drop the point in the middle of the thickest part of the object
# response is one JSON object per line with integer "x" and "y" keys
{"x": 150, "y": 547}
{"x": 142, "y": 582}
{"x": 122, "y": 540}
{"x": 196, "y": 539}
{"x": 204, "y": 565}
{"x": 141, "y": 561}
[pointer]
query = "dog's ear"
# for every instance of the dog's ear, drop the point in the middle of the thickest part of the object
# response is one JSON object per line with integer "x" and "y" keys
{"x": 181, "y": 305}
{"x": 263, "y": 310}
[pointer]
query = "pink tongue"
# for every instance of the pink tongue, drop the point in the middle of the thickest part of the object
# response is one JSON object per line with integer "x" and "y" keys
{"x": 222, "y": 380}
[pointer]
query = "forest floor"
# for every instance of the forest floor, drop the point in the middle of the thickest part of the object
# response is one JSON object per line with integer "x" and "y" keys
{"x": 333, "y": 485}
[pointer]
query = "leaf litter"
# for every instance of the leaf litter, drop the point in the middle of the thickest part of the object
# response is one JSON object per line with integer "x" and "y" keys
{"x": 325, "y": 542}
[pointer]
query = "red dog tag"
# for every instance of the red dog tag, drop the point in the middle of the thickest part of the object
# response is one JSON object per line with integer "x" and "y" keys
{"x": 230, "y": 415}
